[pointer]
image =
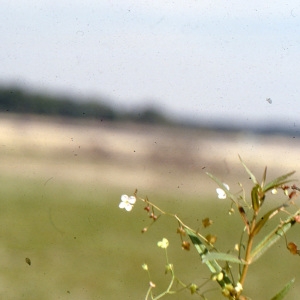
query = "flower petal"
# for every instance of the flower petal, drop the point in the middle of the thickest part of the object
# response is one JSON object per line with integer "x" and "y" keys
{"x": 124, "y": 198}
{"x": 227, "y": 186}
{"x": 131, "y": 199}
{"x": 221, "y": 193}
{"x": 122, "y": 205}
{"x": 128, "y": 207}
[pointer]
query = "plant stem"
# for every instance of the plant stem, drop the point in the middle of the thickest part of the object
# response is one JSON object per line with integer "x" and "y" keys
{"x": 248, "y": 250}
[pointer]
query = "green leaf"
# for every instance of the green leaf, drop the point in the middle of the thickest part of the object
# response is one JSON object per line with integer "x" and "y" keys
{"x": 284, "y": 291}
{"x": 272, "y": 238}
{"x": 222, "y": 256}
{"x": 265, "y": 218}
{"x": 278, "y": 181}
{"x": 264, "y": 178}
{"x": 213, "y": 266}
{"x": 253, "y": 178}
{"x": 203, "y": 251}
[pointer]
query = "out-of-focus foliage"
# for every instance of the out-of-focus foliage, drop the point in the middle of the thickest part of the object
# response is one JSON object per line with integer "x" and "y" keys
{"x": 16, "y": 100}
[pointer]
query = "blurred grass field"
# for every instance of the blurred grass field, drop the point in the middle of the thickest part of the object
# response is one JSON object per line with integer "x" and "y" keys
{"x": 62, "y": 213}
{"x": 82, "y": 246}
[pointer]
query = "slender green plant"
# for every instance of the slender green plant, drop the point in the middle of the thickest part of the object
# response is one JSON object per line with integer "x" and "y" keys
{"x": 253, "y": 220}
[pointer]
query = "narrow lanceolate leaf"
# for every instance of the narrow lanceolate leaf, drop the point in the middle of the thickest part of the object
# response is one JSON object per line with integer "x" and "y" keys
{"x": 278, "y": 181}
{"x": 222, "y": 256}
{"x": 272, "y": 238}
{"x": 203, "y": 251}
{"x": 264, "y": 177}
{"x": 270, "y": 214}
{"x": 253, "y": 178}
{"x": 284, "y": 291}
{"x": 213, "y": 266}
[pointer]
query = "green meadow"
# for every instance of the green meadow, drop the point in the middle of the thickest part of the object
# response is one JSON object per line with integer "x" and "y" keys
{"x": 82, "y": 246}
{"x": 63, "y": 236}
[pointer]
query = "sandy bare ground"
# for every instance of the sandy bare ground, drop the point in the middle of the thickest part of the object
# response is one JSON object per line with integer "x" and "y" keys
{"x": 127, "y": 156}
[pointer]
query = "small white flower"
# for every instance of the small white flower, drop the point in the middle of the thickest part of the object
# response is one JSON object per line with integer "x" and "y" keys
{"x": 163, "y": 244}
{"x": 127, "y": 202}
{"x": 221, "y": 193}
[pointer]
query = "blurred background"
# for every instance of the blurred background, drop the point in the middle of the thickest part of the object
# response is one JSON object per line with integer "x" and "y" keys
{"x": 100, "y": 98}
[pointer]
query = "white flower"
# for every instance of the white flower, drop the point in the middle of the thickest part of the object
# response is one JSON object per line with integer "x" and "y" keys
{"x": 221, "y": 193}
{"x": 127, "y": 202}
{"x": 163, "y": 244}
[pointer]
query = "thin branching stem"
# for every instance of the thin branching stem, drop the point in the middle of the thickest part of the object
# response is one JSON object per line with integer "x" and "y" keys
{"x": 177, "y": 218}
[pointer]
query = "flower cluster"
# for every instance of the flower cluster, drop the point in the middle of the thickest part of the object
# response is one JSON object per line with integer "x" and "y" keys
{"x": 164, "y": 243}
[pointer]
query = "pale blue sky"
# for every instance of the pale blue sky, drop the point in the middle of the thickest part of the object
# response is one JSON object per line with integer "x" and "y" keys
{"x": 202, "y": 59}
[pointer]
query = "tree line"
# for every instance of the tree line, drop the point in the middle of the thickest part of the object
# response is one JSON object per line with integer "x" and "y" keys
{"x": 18, "y": 101}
